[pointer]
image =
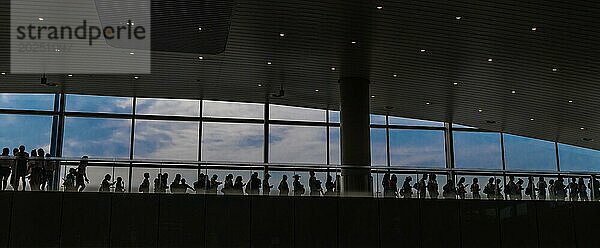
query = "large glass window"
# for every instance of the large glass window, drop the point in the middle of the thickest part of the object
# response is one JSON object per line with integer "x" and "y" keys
{"x": 477, "y": 150}
{"x": 417, "y": 148}
{"x": 377, "y": 119}
{"x": 173, "y": 107}
{"x": 573, "y": 158}
{"x": 99, "y": 104}
{"x": 413, "y": 122}
{"x": 97, "y": 137}
{"x": 26, "y": 101}
{"x": 523, "y": 153}
{"x": 378, "y": 146}
{"x": 297, "y": 144}
{"x": 233, "y": 109}
{"x": 166, "y": 140}
{"x": 232, "y": 142}
{"x": 335, "y": 156}
{"x": 279, "y": 112}
{"x": 28, "y": 130}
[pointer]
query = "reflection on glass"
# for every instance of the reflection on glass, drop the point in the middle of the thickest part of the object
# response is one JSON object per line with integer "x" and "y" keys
{"x": 99, "y": 104}
{"x": 334, "y": 146}
{"x": 27, "y": 101}
{"x": 173, "y": 107}
{"x": 279, "y": 112}
{"x": 523, "y": 153}
{"x": 334, "y": 116}
{"x": 378, "y": 146}
{"x": 29, "y": 130}
{"x": 417, "y": 148}
{"x": 297, "y": 144}
{"x": 573, "y": 158}
{"x": 166, "y": 140}
{"x": 477, "y": 150}
{"x": 232, "y": 142}
{"x": 414, "y": 122}
{"x": 232, "y": 110}
{"x": 96, "y": 137}
{"x": 454, "y": 125}
{"x": 378, "y": 119}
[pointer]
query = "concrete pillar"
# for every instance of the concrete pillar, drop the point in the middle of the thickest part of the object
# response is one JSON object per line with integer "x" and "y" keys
{"x": 355, "y": 136}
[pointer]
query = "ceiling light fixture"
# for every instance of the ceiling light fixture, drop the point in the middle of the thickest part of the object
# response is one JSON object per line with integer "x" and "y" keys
{"x": 458, "y": 17}
{"x": 131, "y": 53}
{"x": 4, "y": 73}
{"x": 372, "y": 96}
{"x": 455, "y": 83}
{"x": 490, "y": 60}
{"x": 554, "y": 69}
{"x": 570, "y": 101}
{"x": 281, "y": 34}
{"x": 422, "y": 50}
{"x": 70, "y": 75}
{"x": 136, "y": 77}
{"x": 533, "y": 29}
{"x": 427, "y": 103}
{"x": 333, "y": 68}
{"x": 582, "y": 128}
{"x": 395, "y": 75}
{"x": 353, "y": 42}
{"x": 513, "y": 92}
{"x": 199, "y": 28}
{"x": 201, "y": 58}
{"x": 259, "y": 85}
{"x": 379, "y": 7}
{"x": 268, "y": 62}
{"x": 316, "y": 90}
{"x": 532, "y": 119}
{"x": 40, "y": 18}
{"x": 480, "y": 110}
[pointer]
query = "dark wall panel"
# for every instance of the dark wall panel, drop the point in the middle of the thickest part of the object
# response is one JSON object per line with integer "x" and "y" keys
{"x": 227, "y": 221}
{"x": 36, "y": 213}
{"x": 555, "y": 222}
{"x": 5, "y": 215}
{"x": 85, "y": 220}
{"x": 518, "y": 226}
{"x": 181, "y": 221}
{"x": 587, "y": 224}
{"x": 134, "y": 221}
{"x": 440, "y": 223}
{"x": 272, "y": 222}
{"x": 479, "y": 224}
{"x": 399, "y": 223}
{"x": 358, "y": 222}
{"x": 315, "y": 222}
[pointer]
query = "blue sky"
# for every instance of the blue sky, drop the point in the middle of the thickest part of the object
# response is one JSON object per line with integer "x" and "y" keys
{"x": 109, "y": 138}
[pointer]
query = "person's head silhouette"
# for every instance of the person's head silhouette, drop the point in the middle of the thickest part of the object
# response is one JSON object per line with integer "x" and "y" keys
{"x": 21, "y": 148}
{"x": 284, "y": 178}
{"x": 146, "y": 175}
{"x": 41, "y": 152}
{"x": 5, "y": 151}
{"x": 106, "y": 177}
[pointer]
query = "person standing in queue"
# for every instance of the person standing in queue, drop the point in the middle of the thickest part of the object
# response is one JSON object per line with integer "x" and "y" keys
{"x": 432, "y": 187}
{"x": 5, "y": 166}
{"x": 266, "y": 185}
{"x": 145, "y": 186}
{"x": 298, "y": 187}
{"x": 475, "y": 189}
{"x": 284, "y": 189}
{"x": 541, "y": 188}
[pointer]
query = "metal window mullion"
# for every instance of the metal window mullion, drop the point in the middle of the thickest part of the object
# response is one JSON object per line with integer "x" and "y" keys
{"x": 387, "y": 141}
{"x": 557, "y": 156}
{"x": 131, "y": 142}
{"x": 328, "y": 139}
{"x": 200, "y": 106}
{"x": 266, "y": 136}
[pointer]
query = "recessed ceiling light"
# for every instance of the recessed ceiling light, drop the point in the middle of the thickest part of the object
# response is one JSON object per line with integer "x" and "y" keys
{"x": 554, "y": 69}
{"x": 40, "y": 18}
{"x": 513, "y": 91}
{"x": 57, "y": 50}
{"x": 316, "y": 90}
{"x": 570, "y": 101}
{"x": 259, "y": 85}
{"x": 131, "y": 53}
{"x": 379, "y": 7}
{"x": 427, "y": 103}
{"x": 480, "y": 110}
{"x": 201, "y": 58}
{"x": 281, "y": 34}
{"x": 458, "y": 17}
{"x": 532, "y": 119}
{"x": 582, "y": 128}
{"x": 70, "y": 75}
{"x": 395, "y": 75}
{"x": 4, "y": 73}
{"x": 533, "y": 29}
{"x": 199, "y": 28}
{"x": 455, "y": 83}
{"x": 333, "y": 68}
{"x": 422, "y": 50}
{"x": 353, "y": 42}
{"x": 372, "y": 96}
{"x": 136, "y": 77}
{"x": 268, "y": 62}
{"x": 490, "y": 60}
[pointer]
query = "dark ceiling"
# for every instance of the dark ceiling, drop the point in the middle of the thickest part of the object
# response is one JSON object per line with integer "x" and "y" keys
{"x": 541, "y": 83}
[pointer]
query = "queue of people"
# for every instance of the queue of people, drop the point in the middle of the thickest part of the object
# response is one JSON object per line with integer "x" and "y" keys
{"x": 427, "y": 187}
{"x": 22, "y": 167}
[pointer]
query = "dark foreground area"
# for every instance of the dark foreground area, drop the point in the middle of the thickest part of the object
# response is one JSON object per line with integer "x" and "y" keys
{"x": 54, "y": 219}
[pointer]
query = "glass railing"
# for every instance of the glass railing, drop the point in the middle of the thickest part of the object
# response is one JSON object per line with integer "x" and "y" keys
{"x": 233, "y": 178}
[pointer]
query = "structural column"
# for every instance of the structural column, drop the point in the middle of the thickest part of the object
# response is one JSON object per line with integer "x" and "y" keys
{"x": 355, "y": 136}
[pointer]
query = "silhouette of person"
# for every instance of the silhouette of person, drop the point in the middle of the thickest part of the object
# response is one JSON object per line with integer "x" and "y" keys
{"x": 582, "y": 189}
{"x": 238, "y": 186}
{"x": 184, "y": 187}
{"x": 81, "y": 174}
{"x": 530, "y": 190}
{"x": 406, "y": 190}
{"x": 228, "y": 186}
{"x": 573, "y": 189}
{"x": 164, "y": 180}
{"x": 329, "y": 186}
{"x": 394, "y": 186}
{"x": 214, "y": 184}
{"x": 253, "y": 185}
{"x": 498, "y": 189}
{"x": 176, "y": 185}
{"x": 541, "y": 188}
{"x": 120, "y": 185}
{"x": 518, "y": 190}
{"x": 42, "y": 164}
{"x": 157, "y": 183}
{"x": 298, "y": 187}
{"x": 69, "y": 181}
{"x": 551, "y": 191}
{"x": 106, "y": 184}
{"x": 449, "y": 190}
{"x": 200, "y": 185}
{"x": 490, "y": 189}
{"x": 284, "y": 189}
{"x": 511, "y": 188}
{"x": 50, "y": 167}
{"x": 266, "y": 186}
{"x": 5, "y": 165}
{"x": 432, "y": 187}
{"x": 461, "y": 189}
{"x": 22, "y": 158}
{"x": 475, "y": 189}
{"x": 385, "y": 183}
{"x": 314, "y": 184}
{"x": 595, "y": 186}
{"x": 338, "y": 185}
{"x": 145, "y": 186}
{"x": 35, "y": 171}
{"x": 421, "y": 186}
{"x": 560, "y": 191}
